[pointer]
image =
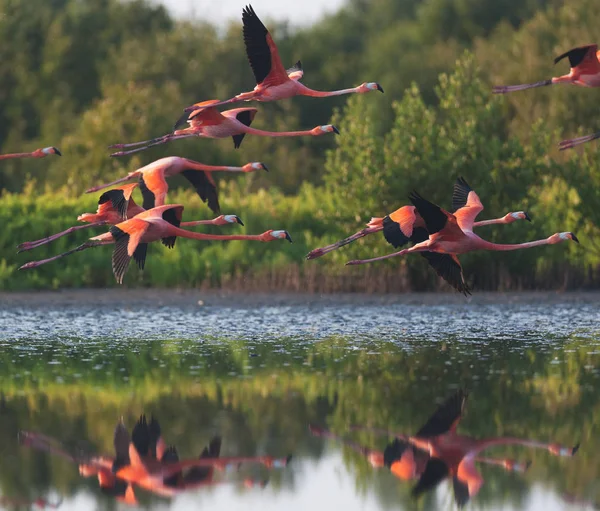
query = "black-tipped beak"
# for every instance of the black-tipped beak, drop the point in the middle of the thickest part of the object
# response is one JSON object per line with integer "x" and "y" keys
{"x": 266, "y": 169}
{"x": 335, "y": 130}
{"x": 288, "y": 237}
{"x": 56, "y": 151}
{"x": 574, "y": 238}
{"x": 575, "y": 449}
{"x": 527, "y": 217}
{"x": 238, "y": 220}
{"x": 379, "y": 88}
{"x": 288, "y": 459}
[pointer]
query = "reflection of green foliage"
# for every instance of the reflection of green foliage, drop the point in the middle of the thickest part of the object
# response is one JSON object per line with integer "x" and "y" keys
{"x": 264, "y": 402}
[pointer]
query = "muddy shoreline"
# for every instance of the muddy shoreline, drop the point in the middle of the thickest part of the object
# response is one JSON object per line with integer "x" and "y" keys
{"x": 198, "y": 298}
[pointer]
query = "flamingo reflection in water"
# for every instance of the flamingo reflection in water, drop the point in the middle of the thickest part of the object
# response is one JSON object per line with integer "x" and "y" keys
{"x": 437, "y": 452}
{"x": 144, "y": 460}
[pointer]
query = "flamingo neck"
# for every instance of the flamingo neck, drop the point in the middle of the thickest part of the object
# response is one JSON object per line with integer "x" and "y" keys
{"x": 15, "y": 155}
{"x": 492, "y": 221}
{"x": 209, "y": 168}
{"x": 507, "y": 440}
{"x": 499, "y": 247}
{"x": 305, "y": 91}
{"x": 263, "y": 133}
{"x": 175, "y": 231}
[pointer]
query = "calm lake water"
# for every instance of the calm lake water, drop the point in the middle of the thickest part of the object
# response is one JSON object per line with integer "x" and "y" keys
{"x": 257, "y": 370}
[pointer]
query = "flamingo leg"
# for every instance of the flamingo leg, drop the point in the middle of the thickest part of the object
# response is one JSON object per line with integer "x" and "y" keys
{"x": 84, "y": 246}
{"x": 570, "y": 143}
{"x": 503, "y": 89}
{"x": 28, "y": 245}
{"x": 115, "y": 182}
{"x": 381, "y": 258}
{"x": 319, "y": 252}
{"x": 151, "y": 143}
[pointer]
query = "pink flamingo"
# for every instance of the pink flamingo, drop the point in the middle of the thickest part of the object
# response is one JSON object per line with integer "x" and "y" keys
{"x": 38, "y": 153}
{"x": 451, "y": 454}
{"x": 273, "y": 81}
{"x": 585, "y": 71}
{"x": 115, "y": 206}
{"x": 153, "y": 179}
{"x": 452, "y": 234}
{"x": 206, "y": 121}
{"x": 400, "y": 226}
{"x": 132, "y": 236}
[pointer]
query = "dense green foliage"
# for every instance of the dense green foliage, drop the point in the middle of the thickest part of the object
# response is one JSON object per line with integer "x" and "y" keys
{"x": 116, "y": 71}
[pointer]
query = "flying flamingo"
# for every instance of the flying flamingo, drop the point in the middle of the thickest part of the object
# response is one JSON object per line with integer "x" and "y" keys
{"x": 111, "y": 206}
{"x": 399, "y": 227}
{"x": 206, "y": 121}
{"x": 153, "y": 179}
{"x": 38, "y": 153}
{"x": 585, "y": 71}
{"x": 273, "y": 81}
{"x": 454, "y": 455}
{"x": 452, "y": 234}
{"x": 132, "y": 236}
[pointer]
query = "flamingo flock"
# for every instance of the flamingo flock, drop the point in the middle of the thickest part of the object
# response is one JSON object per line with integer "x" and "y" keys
{"x": 145, "y": 461}
{"x": 439, "y": 235}
{"x": 437, "y": 452}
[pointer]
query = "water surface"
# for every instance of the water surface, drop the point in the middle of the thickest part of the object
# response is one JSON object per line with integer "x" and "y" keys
{"x": 257, "y": 370}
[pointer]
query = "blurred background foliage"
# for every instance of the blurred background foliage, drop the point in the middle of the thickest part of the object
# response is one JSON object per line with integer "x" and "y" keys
{"x": 83, "y": 75}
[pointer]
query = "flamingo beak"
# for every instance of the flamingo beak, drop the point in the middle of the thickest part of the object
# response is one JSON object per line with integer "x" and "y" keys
{"x": 288, "y": 237}
{"x": 574, "y": 238}
{"x": 238, "y": 220}
{"x": 335, "y": 130}
{"x": 56, "y": 151}
{"x": 576, "y": 448}
{"x": 379, "y": 88}
{"x": 527, "y": 217}
{"x": 265, "y": 168}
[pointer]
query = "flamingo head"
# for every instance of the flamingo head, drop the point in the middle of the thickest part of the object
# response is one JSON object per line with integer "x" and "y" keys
{"x": 277, "y": 235}
{"x": 559, "y": 450}
{"x": 369, "y": 86}
{"x": 509, "y": 218}
{"x": 87, "y": 470}
{"x": 257, "y": 165}
{"x": 42, "y": 153}
{"x": 322, "y": 130}
{"x": 231, "y": 219}
{"x": 516, "y": 466}
{"x": 376, "y": 459}
{"x": 562, "y": 236}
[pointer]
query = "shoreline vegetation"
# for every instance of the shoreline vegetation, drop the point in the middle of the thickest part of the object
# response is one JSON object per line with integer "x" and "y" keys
{"x": 437, "y": 120}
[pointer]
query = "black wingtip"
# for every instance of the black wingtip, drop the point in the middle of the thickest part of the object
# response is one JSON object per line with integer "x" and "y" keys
{"x": 575, "y": 449}
{"x": 335, "y": 130}
{"x": 238, "y": 220}
{"x": 288, "y": 237}
{"x": 58, "y": 153}
{"x": 379, "y": 88}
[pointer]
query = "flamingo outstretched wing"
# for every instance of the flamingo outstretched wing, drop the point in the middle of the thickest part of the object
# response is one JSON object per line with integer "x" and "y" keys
{"x": 205, "y": 187}
{"x": 446, "y": 418}
{"x": 448, "y": 267}
{"x": 117, "y": 199}
{"x": 436, "y": 219}
{"x": 435, "y": 472}
{"x": 583, "y": 56}
{"x": 261, "y": 51}
{"x": 173, "y": 216}
{"x": 398, "y": 226}
{"x": 466, "y": 204}
{"x": 245, "y": 115}
{"x": 153, "y": 185}
{"x": 127, "y": 236}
